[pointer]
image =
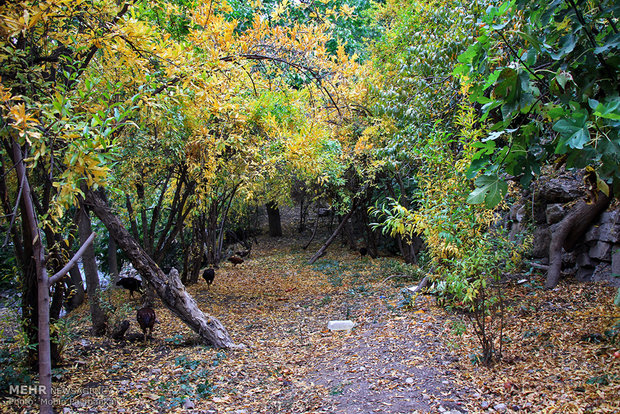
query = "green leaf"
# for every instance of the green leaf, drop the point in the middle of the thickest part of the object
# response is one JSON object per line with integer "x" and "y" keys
{"x": 609, "y": 109}
{"x": 567, "y": 45}
{"x": 573, "y": 131}
{"x": 562, "y": 78}
{"x": 490, "y": 191}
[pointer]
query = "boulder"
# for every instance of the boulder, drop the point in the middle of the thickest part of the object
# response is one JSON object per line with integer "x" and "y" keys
{"x": 541, "y": 242}
{"x": 615, "y": 261}
{"x": 555, "y": 213}
{"x": 601, "y": 251}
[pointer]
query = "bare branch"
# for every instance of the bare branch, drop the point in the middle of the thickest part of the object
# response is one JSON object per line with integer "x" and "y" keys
{"x": 62, "y": 272}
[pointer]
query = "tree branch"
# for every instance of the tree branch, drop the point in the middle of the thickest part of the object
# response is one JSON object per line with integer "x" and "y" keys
{"x": 62, "y": 272}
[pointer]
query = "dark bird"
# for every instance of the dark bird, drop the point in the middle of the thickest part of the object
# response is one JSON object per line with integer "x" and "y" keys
{"x": 118, "y": 333}
{"x": 234, "y": 259}
{"x": 208, "y": 275}
{"x": 243, "y": 253}
{"x": 146, "y": 319}
{"x": 131, "y": 284}
{"x": 363, "y": 251}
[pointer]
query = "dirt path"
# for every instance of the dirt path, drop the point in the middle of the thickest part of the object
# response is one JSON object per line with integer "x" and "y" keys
{"x": 396, "y": 365}
{"x": 393, "y": 361}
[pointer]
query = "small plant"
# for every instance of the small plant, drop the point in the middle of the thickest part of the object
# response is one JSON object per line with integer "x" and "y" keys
{"x": 335, "y": 281}
{"x": 473, "y": 284}
{"x": 176, "y": 339}
{"x": 458, "y": 327}
{"x": 325, "y": 300}
{"x": 12, "y": 371}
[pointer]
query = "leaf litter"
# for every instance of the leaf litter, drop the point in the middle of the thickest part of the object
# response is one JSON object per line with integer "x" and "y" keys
{"x": 557, "y": 355}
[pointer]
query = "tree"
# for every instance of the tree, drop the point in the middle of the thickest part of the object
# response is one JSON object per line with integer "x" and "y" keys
{"x": 546, "y": 78}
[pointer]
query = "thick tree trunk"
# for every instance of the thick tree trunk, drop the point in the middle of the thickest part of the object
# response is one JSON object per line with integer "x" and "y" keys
{"x": 569, "y": 231}
{"x": 329, "y": 241}
{"x": 168, "y": 287}
{"x": 98, "y": 316}
{"x": 273, "y": 214}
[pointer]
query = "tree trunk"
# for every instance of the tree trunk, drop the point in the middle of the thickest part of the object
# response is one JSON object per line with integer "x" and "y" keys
{"x": 43, "y": 294}
{"x": 275, "y": 225}
{"x": 329, "y": 241}
{"x": 168, "y": 287}
{"x": 98, "y": 316}
{"x": 75, "y": 286}
{"x": 113, "y": 261}
{"x": 197, "y": 250}
{"x": 407, "y": 249}
{"x": 314, "y": 229}
{"x": 112, "y": 257}
{"x": 569, "y": 230}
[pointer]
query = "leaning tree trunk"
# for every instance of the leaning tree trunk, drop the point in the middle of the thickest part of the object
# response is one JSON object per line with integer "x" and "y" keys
{"x": 569, "y": 231}
{"x": 331, "y": 239}
{"x": 168, "y": 287}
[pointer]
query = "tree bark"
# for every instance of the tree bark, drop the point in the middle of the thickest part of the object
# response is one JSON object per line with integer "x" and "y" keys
{"x": 273, "y": 214}
{"x": 75, "y": 286}
{"x": 168, "y": 287}
{"x": 98, "y": 316}
{"x": 329, "y": 241}
{"x": 43, "y": 294}
{"x": 113, "y": 261}
{"x": 569, "y": 231}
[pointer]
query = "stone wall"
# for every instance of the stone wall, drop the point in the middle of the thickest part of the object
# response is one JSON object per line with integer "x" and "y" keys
{"x": 597, "y": 256}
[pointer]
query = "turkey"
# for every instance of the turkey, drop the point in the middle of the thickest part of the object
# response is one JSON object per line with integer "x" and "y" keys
{"x": 146, "y": 319}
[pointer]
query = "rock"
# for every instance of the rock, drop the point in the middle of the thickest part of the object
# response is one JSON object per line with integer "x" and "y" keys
{"x": 561, "y": 189}
{"x": 517, "y": 213}
{"x": 609, "y": 232}
{"x": 484, "y": 405}
{"x": 156, "y": 371}
{"x": 615, "y": 260}
{"x": 592, "y": 234}
{"x": 555, "y": 213}
{"x": 601, "y": 251}
{"x": 409, "y": 380}
{"x": 500, "y": 408}
{"x": 603, "y": 272}
{"x": 584, "y": 274}
{"x": 129, "y": 271}
{"x": 541, "y": 242}
{"x": 188, "y": 404}
{"x": 583, "y": 260}
{"x": 610, "y": 217}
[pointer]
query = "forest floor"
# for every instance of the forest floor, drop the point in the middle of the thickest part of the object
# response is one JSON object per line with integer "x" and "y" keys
{"x": 558, "y": 357}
